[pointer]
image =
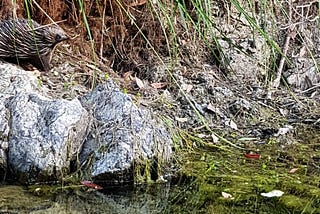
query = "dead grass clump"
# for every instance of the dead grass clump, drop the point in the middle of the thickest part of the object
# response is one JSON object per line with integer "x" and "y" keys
{"x": 119, "y": 29}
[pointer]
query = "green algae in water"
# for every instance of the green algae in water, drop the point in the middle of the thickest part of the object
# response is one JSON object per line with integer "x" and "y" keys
{"x": 205, "y": 173}
{"x": 19, "y": 199}
{"x": 221, "y": 171}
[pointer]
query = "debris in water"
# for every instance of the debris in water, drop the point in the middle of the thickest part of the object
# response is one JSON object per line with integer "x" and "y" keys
{"x": 227, "y": 195}
{"x": 91, "y": 185}
{"x": 252, "y": 156}
{"x": 273, "y": 193}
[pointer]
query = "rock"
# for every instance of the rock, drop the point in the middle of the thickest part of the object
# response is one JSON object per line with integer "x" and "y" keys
{"x": 4, "y": 133}
{"x": 240, "y": 106}
{"x": 42, "y": 134}
{"x": 45, "y": 136}
{"x": 41, "y": 137}
{"x": 303, "y": 74}
{"x": 125, "y": 140}
{"x": 248, "y": 63}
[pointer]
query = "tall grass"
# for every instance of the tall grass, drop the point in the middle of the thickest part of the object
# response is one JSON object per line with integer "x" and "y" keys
{"x": 196, "y": 19}
{"x": 85, "y": 20}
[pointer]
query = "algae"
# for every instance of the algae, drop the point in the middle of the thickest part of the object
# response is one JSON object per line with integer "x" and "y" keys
{"x": 211, "y": 172}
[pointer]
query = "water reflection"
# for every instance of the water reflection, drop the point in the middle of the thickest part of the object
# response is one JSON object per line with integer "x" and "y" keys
{"x": 150, "y": 199}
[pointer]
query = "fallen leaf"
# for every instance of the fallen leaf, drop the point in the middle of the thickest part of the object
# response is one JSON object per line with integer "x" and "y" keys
{"x": 252, "y": 156}
{"x": 186, "y": 87}
{"x": 248, "y": 139}
{"x": 215, "y": 139}
{"x": 231, "y": 124}
{"x": 273, "y": 193}
{"x": 127, "y": 75}
{"x": 227, "y": 195}
{"x": 283, "y": 112}
{"x": 211, "y": 107}
{"x": 181, "y": 120}
{"x": 202, "y": 136}
{"x": 293, "y": 170}
{"x": 161, "y": 179}
{"x": 91, "y": 185}
{"x": 158, "y": 85}
{"x": 139, "y": 83}
{"x": 302, "y": 52}
{"x": 284, "y": 130}
{"x": 183, "y": 42}
{"x": 138, "y": 3}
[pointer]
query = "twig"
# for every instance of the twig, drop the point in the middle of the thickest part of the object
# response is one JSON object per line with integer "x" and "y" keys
{"x": 42, "y": 10}
{"x": 310, "y": 89}
{"x": 290, "y": 34}
{"x": 103, "y": 26}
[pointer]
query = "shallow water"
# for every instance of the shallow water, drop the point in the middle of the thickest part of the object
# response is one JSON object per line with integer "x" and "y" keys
{"x": 186, "y": 197}
{"x": 151, "y": 199}
{"x": 205, "y": 174}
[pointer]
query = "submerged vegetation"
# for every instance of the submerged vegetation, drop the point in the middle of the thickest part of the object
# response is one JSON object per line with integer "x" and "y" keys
{"x": 293, "y": 169}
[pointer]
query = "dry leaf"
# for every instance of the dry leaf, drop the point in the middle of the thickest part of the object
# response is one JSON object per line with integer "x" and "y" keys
{"x": 138, "y": 3}
{"x": 293, "y": 170}
{"x": 202, "y": 136}
{"x": 181, "y": 120}
{"x": 302, "y": 52}
{"x": 284, "y": 130}
{"x": 127, "y": 75}
{"x": 227, "y": 195}
{"x": 186, "y": 87}
{"x": 158, "y": 85}
{"x": 252, "y": 156}
{"x": 231, "y": 124}
{"x": 215, "y": 139}
{"x": 139, "y": 83}
{"x": 211, "y": 107}
{"x": 90, "y": 184}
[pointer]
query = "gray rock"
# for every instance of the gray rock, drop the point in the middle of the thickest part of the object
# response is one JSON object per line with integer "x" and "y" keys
{"x": 39, "y": 136}
{"x": 14, "y": 80}
{"x": 249, "y": 63}
{"x": 303, "y": 74}
{"x": 45, "y": 135}
{"x": 4, "y": 133}
{"x": 125, "y": 140}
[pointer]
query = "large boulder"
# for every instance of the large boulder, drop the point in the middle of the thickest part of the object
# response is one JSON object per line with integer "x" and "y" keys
{"x": 125, "y": 142}
{"x": 103, "y": 133}
{"x": 39, "y": 136}
{"x": 45, "y": 135}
